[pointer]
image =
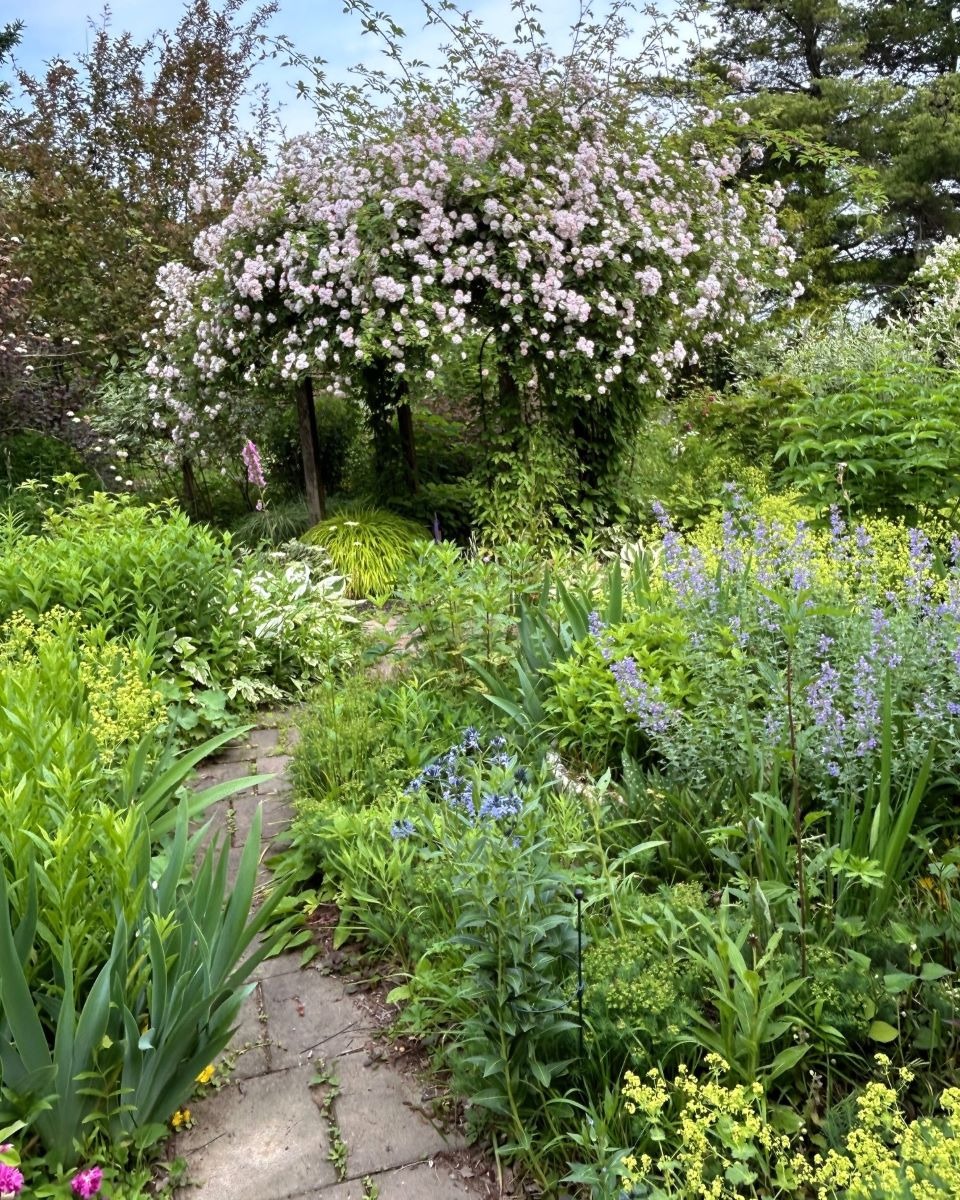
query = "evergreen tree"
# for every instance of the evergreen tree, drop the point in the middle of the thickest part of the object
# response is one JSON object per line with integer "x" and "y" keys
{"x": 877, "y": 78}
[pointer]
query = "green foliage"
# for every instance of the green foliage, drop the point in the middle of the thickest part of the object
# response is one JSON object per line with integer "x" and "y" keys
{"x": 515, "y": 924}
{"x": 122, "y": 970}
{"x": 454, "y": 601}
{"x": 221, "y": 632}
{"x": 692, "y": 1132}
{"x": 104, "y": 177}
{"x": 870, "y": 89}
{"x": 370, "y": 546}
{"x": 886, "y": 443}
{"x": 583, "y": 711}
{"x": 273, "y": 525}
{"x": 530, "y": 491}
{"x": 32, "y": 455}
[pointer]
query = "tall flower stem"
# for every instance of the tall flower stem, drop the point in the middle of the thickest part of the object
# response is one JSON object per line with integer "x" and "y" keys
{"x": 797, "y": 813}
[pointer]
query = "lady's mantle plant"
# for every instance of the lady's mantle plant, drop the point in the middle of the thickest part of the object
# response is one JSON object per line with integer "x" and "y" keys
{"x": 537, "y": 225}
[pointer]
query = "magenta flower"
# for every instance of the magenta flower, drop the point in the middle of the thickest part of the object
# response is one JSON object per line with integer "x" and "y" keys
{"x": 87, "y": 1183}
{"x": 11, "y": 1181}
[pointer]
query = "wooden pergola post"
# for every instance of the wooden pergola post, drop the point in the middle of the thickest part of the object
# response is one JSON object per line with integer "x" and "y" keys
{"x": 310, "y": 448}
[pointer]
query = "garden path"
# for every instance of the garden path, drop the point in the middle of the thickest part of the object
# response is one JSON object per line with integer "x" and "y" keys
{"x": 269, "y": 1134}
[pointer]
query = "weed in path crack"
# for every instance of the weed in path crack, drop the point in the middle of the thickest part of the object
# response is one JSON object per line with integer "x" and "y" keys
{"x": 328, "y": 1086}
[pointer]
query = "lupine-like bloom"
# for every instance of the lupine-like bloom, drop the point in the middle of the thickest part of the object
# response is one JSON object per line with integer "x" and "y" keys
{"x": 87, "y": 1183}
{"x": 251, "y": 460}
{"x": 822, "y": 698}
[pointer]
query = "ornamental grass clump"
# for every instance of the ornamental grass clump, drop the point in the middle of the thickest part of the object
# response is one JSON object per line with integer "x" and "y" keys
{"x": 369, "y": 546}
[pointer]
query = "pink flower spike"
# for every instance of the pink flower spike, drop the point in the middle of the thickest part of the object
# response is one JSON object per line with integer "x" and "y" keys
{"x": 11, "y": 1181}
{"x": 251, "y": 460}
{"x": 87, "y": 1183}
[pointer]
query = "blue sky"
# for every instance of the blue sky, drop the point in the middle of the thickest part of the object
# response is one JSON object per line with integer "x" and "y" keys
{"x": 317, "y": 27}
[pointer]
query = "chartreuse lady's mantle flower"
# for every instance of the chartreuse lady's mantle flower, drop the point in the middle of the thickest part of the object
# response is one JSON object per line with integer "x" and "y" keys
{"x": 87, "y": 1183}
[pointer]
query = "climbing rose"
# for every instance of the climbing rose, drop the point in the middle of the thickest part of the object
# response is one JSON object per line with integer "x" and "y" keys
{"x": 87, "y": 1183}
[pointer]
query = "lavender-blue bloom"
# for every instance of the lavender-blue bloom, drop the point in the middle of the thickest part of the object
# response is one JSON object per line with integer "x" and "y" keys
{"x": 497, "y": 808}
{"x": 822, "y": 696}
{"x": 919, "y": 581}
{"x": 865, "y": 707}
{"x": 402, "y": 829}
{"x": 643, "y": 700}
{"x": 471, "y": 740}
{"x": 497, "y": 742}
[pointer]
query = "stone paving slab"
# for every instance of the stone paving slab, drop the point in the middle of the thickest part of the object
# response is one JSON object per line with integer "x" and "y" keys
{"x": 251, "y": 1043}
{"x": 263, "y": 1136}
{"x": 257, "y": 1139}
{"x": 422, "y": 1181}
{"x": 378, "y": 1111}
{"x": 310, "y": 1017}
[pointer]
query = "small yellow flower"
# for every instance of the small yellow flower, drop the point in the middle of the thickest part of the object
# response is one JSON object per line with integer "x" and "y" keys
{"x": 181, "y": 1119}
{"x": 206, "y": 1074}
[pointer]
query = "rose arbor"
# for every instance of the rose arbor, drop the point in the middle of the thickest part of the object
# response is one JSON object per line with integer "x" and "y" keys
{"x": 536, "y": 227}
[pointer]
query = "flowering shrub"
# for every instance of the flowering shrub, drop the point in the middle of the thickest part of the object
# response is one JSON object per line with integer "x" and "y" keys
{"x": 538, "y": 215}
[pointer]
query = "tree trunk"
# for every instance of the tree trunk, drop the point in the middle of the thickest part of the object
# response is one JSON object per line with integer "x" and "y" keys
{"x": 310, "y": 447}
{"x": 407, "y": 444}
{"x": 190, "y": 488}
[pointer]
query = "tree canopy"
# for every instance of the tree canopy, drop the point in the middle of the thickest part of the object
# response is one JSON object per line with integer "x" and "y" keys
{"x": 877, "y": 78}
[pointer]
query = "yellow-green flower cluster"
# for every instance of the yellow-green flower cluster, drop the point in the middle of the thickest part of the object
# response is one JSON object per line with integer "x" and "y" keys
{"x": 702, "y": 1140}
{"x": 110, "y": 678}
{"x": 123, "y": 705}
{"x": 713, "y": 1142}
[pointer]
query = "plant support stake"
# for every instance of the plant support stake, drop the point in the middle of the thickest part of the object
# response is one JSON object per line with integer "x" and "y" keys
{"x": 578, "y": 896}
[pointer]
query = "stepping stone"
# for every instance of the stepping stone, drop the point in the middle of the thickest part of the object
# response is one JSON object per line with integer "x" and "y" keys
{"x": 257, "y": 1139}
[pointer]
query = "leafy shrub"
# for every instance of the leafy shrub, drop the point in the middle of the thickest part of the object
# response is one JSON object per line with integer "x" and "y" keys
{"x": 583, "y": 710}
{"x": 370, "y": 546}
{"x": 221, "y": 632}
{"x": 122, "y": 970}
{"x": 454, "y": 602}
{"x": 32, "y": 455}
{"x": 885, "y": 443}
